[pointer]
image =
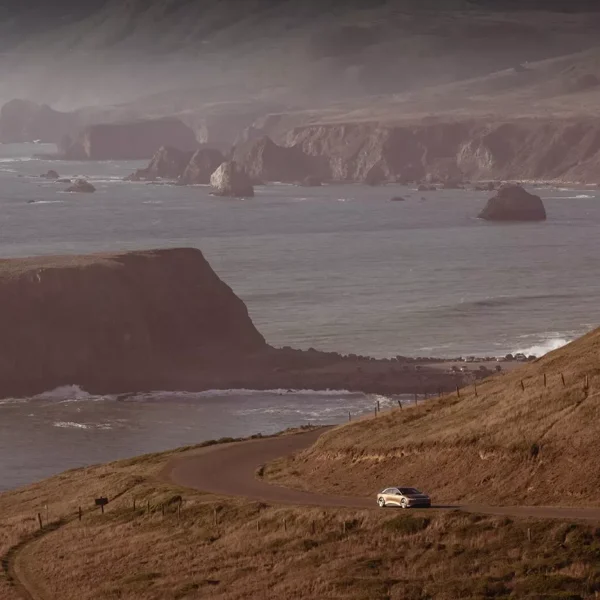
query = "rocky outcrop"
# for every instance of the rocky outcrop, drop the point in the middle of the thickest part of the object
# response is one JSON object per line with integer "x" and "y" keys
{"x": 453, "y": 152}
{"x": 119, "y": 322}
{"x": 167, "y": 163}
{"x": 160, "y": 319}
{"x": 51, "y": 174}
{"x": 230, "y": 180}
{"x": 201, "y": 166}
{"x": 513, "y": 203}
{"x": 264, "y": 160}
{"x": 25, "y": 121}
{"x": 81, "y": 186}
{"x": 136, "y": 140}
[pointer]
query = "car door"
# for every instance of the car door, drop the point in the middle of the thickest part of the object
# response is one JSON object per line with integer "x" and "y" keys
{"x": 392, "y": 497}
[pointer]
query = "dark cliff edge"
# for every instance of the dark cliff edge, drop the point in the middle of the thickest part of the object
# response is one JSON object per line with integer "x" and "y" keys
{"x": 159, "y": 319}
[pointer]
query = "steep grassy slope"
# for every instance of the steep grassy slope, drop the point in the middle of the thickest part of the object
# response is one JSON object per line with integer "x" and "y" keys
{"x": 511, "y": 441}
{"x": 231, "y": 549}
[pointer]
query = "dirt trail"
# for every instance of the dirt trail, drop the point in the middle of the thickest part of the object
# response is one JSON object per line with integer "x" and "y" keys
{"x": 230, "y": 470}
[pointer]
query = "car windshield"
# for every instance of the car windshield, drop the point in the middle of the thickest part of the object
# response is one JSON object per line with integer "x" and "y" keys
{"x": 409, "y": 491}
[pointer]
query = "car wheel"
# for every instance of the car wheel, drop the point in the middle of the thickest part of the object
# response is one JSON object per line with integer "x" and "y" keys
{"x": 404, "y": 503}
{"x": 381, "y": 502}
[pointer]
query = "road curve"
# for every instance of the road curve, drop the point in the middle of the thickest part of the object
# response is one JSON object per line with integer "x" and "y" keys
{"x": 230, "y": 470}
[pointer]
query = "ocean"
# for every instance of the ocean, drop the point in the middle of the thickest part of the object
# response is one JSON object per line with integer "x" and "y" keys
{"x": 335, "y": 268}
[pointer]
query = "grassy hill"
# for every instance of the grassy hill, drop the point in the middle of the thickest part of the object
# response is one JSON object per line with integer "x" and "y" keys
{"x": 307, "y": 54}
{"x": 511, "y": 441}
{"x": 231, "y": 549}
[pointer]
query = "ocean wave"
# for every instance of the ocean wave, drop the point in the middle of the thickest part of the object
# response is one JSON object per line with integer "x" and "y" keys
{"x": 543, "y": 347}
{"x": 577, "y": 197}
{"x": 15, "y": 159}
{"x": 74, "y": 425}
{"x": 468, "y": 307}
{"x": 46, "y": 202}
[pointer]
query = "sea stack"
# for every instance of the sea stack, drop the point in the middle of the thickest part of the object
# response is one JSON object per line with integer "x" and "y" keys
{"x": 513, "y": 203}
{"x": 231, "y": 180}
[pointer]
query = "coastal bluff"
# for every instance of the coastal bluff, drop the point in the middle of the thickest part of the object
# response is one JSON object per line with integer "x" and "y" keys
{"x": 116, "y": 322}
{"x": 162, "y": 320}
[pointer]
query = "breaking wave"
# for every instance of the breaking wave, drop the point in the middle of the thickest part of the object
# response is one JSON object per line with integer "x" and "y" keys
{"x": 544, "y": 347}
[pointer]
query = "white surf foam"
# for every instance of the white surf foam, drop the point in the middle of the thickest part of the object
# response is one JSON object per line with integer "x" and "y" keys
{"x": 70, "y": 425}
{"x": 544, "y": 347}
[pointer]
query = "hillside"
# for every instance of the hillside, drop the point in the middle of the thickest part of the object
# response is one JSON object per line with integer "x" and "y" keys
{"x": 308, "y": 54}
{"x": 156, "y": 541}
{"x": 501, "y": 444}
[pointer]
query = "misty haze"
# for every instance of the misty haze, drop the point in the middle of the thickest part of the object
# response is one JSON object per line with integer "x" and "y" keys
{"x": 299, "y": 299}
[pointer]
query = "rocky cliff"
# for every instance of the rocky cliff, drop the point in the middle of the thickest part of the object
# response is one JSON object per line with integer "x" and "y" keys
{"x": 446, "y": 150}
{"x": 130, "y": 140}
{"x": 26, "y": 121}
{"x": 160, "y": 319}
{"x": 116, "y": 322}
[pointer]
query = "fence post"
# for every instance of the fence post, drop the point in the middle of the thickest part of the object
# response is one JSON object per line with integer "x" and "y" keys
{"x": 349, "y": 417}
{"x": 215, "y": 517}
{"x": 587, "y": 382}
{"x": 375, "y": 410}
{"x": 134, "y": 505}
{"x": 545, "y": 381}
{"x": 476, "y": 394}
{"x": 522, "y": 385}
{"x": 40, "y": 520}
{"x": 458, "y": 391}
{"x": 162, "y": 509}
{"x": 563, "y": 379}
{"x": 400, "y": 403}
{"x": 378, "y": 406}
{"x": 148, "y": 506}
{"x": 80, "y": 513}
{"x": 285, "y": 524}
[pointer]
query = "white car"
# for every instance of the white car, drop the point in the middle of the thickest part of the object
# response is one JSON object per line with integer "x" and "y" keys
{"x": 405, "y": 497}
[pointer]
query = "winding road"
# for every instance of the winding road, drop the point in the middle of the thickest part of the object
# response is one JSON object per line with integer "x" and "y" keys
{"x": 230, "y": 470}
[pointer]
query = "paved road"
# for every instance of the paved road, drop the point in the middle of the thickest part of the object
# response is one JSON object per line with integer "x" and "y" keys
{"x": 230, "y": 470}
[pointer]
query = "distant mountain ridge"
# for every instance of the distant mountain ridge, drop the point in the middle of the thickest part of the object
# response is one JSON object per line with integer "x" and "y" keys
{"x": 104, "y": 51}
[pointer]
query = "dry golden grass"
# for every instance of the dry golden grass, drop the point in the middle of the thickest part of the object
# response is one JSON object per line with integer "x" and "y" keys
{"x": 501, "y": 445}
{"x": 259, "y": 551}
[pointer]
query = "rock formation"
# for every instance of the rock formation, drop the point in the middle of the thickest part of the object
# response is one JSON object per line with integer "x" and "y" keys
{"x": 51, "y": 174}
{"x": 453, "y": 152}
{"x": 117, "y": 321}
{"x": 136, "y": 140}
{"x": 232, "y": 181}
{"x": 201, "y": 166}
{"x": 264, "y": 160}
{"x": 81, "y": 186}
{"x": 160, "y": 319}
{"x": 513, "y": 203}
{"x": 167, "y": 163}
{"x": 25, "y": 121}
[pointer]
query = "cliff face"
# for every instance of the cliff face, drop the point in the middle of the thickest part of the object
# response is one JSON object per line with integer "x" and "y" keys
{"x": 25, "y": 121}
{"x": 557, "y": 149}
{"x": 130, "y": 141}
{"x": 116, "y": 322}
